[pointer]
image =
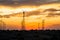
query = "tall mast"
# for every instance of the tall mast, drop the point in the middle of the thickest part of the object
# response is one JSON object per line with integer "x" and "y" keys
{"x": 43, "y": 21}
{"x": 38, "y": 26}
{"x": 23, "y": 21}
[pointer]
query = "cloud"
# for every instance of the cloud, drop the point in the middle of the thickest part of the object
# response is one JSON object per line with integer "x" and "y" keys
{"x": 33, "y": 13}
{"x": 26, "y": 13}
{"x": 4, "y": 16}
{"x": 15, "y": 0}
{"x": 20, "y": 14}
{"x": 52, "y": 12}
{"x": 51, "y": 0}
{"x": 24, "y": 2}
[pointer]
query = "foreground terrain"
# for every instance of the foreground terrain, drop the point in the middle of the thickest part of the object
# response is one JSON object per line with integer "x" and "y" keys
{"x": 30, "y": 35}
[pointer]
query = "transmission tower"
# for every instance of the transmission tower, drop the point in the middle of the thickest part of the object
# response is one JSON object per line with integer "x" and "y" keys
{"x": 2, "y": 25}
{"x": 38, "y": 26}
{"x": 23, "y": 21}
{"x": 43, "y": 21}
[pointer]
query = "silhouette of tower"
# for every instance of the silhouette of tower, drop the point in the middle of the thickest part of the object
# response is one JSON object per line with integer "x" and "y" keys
{"x": 43, "y": 21}
{"x": 2, "y": 25}
{"x": 38, "y": 26}
{"x": 23, "y": 21}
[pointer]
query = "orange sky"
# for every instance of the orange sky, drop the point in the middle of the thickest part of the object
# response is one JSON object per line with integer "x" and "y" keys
{"x": 32, "y": 21}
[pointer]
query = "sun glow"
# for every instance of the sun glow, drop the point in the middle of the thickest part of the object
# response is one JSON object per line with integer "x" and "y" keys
{"x": 4, "y": 10}
{"x": 9, "y": 10}
{"x": 24, "y": 9}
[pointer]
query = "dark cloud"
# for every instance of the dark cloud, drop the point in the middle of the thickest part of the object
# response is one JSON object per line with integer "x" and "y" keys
{"x": 52, "y": 12}
{"x": 53, "y": 15}
{"x": 20, "y": 14}
{"x": 30, "y": 2}
{"x": 4, "y": 16}
{"x": 32, "y": 13}
{"x": 25, "y": 2}
{"x": 26, "y": 14}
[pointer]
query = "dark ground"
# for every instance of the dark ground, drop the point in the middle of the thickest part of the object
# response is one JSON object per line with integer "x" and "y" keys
{"x": 30, "y": 35}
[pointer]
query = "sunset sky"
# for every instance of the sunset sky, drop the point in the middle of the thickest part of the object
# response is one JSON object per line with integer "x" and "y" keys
{"x": 11, "y": 14}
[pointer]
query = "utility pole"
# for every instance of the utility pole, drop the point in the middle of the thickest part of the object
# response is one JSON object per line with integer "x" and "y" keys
{"x": 23, "y": 21}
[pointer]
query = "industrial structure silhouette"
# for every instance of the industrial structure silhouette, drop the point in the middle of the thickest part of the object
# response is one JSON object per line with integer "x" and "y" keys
{"x": 2, "y": 25}
{"x": 23, "y": 22}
